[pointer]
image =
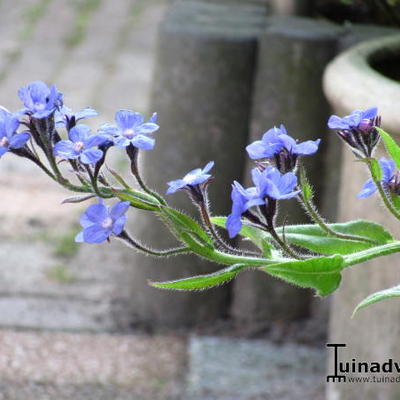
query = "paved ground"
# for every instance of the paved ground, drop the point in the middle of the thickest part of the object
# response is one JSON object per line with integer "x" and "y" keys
{"x": 70, "y": 366}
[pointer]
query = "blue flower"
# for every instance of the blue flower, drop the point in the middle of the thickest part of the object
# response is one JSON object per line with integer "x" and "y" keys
{"x": 66, "y": 118}
{"x": 388, "y": 177}
{"x": 99, "y": 222}
{"x": 358, "y": 130}
{"x": 79, "y": 146}
{"x": 277, "y": 140}
{"x": 354, "y": 120}
{"x": 193, "y": 178}
{"x": 132, "y": 130}
{"x": 40, "y": 100}
{"x": 242, "y": 200}
{"x": 270, "y": 185}
{"x": 9, "y": 138}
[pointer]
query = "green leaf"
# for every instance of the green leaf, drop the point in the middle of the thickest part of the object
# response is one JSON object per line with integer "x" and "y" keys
{"x": 378, "y": 296}
{"x": 257, "y": 236}
{"x": 320, "y": 273}
{"x": 391, "y": 146}
{"x": 183, "y": 223}
{"x": 200, "y": 282}
{"x": 313, "y": 238}
{"x": 136, "y": 199}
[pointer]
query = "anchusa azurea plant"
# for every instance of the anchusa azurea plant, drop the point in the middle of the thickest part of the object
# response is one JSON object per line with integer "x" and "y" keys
{"x": 51, "y": 135}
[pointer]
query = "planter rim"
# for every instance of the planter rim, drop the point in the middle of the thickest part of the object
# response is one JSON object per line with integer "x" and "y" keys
{"x": 350, "y": 83}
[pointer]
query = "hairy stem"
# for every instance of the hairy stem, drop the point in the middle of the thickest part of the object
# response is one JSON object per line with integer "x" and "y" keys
{"x": 386, "y": 200}
{"x": 125, "y": 237}
{"x": 205, "y": 215}
{"x": 318, "y": 219}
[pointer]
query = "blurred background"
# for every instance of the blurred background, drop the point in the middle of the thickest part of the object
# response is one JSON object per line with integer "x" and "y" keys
{"x": 80, "y": 321}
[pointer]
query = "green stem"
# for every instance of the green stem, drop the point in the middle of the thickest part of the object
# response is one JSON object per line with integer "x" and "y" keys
{"x": 373, "y": 252}
{"x": 227, "y": 259}
{"x": 205, "y": 215}
{"x": 125, "y": 237}
{"x": 386, "y": 200}
{"x": 282, "y": 244}
{"x": 317, "y": 218}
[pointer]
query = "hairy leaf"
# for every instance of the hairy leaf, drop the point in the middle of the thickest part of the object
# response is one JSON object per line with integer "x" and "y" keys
{"x": 135, "y": 200}
{"x": 320, "y": 273}
{"x": 313, "y": 238}
{"x": 183, "y": 223}
{"x": 377, "y": 297}
{"x": 200, "y": 282}
{"x": 391, "y": 146}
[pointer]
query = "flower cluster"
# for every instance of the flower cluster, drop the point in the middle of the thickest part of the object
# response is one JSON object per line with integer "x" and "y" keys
{"x": 42, "y": 116}
{"x": 358, "y": 130}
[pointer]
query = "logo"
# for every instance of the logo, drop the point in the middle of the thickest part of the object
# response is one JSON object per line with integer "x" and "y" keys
{"x": 347, "y": 371}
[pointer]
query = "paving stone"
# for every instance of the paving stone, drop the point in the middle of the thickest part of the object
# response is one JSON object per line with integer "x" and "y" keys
{"x": 42, "y": 53}
{"x": 128, "y": 75}
{"x": 83, "y": 68}
{"x": 60, "y": 365}
{"x": 224, "y": 368}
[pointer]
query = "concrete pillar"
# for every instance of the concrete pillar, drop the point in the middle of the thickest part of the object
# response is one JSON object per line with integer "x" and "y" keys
{"x": 291, "y": 60}
{"x": 202, "y": 92}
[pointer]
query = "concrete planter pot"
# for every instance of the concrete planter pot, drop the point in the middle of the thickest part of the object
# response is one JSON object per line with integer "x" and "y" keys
{"x": 357, "y": 79}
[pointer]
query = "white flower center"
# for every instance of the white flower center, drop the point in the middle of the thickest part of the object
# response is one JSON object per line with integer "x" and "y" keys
{"x": 190, "y": 178}
{"x": 107, "y": 223}
{"x": 4, "y": 142}
{"x": 78, "y": 146}
{"x": 40, "y": 106}
{"x": 129, "y": 133}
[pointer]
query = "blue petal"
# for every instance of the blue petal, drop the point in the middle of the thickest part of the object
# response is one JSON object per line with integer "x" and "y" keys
{"x": 256, "y": 150}
{"x": 287, "y": 183}
{"x": 3, "y": 150}
{"x": 96, "y": 213}
{"x": 117, "y": 210}
{"x": 233, "y": 224}
{"x": 91, "y": 156}
{"x": 307, "y": 148}
{"x": 388, "y": 168}
{"x": 11, "y": 124}
{"x": 95, "y": 234}
{"x": 254, "y": 202}
{"x": 19, "y": 140}
{"x": 65, "y": 149}
{"x": 208, "y": 167}
{"x": 127, "y": 119}
{"x": 143, "y": 142}
{"x": 85, "y": 113}
{"x": 153, "y": 118}
{"x": 368, "y": 189}
{"x": 175, "y": 185}
{"x": 336, "y": 122}
{"x": 119, "y": 224}
{"x": 121, "y": 141}
{"x": 109, "y": 129}
{"x": 370, "y": 113}
{"x": 79, "y": 133}
{"x": 272, "y": 190}
{"x": 95, "y": 140}
{"x": 147, "y": 128}
{"x": 288, "y": 142}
